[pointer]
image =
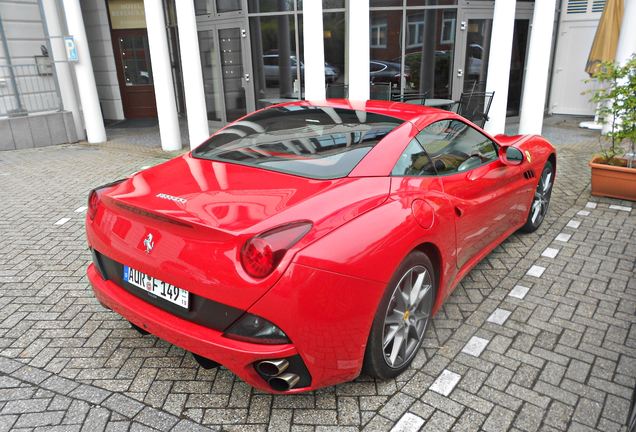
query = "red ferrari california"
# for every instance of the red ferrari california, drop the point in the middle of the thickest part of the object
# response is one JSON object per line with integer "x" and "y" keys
{"x": 304, "y": 243}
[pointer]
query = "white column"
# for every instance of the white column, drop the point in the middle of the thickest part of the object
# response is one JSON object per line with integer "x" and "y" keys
{"x": 62, "y": 69}
{"x": 93, "y": 120}
{"x": 499, "y": 57}
{"x": 192, "y": 73}
{"x": 357, "y": 16}
{"x": 535, "y": 81}
{"x": 314, "y": 47}
{"x": 626, "y": 46}
{"x": 162, "y": 76}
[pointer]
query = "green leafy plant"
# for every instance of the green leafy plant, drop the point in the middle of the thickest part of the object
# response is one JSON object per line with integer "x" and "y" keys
{"x": 616, "y": 99}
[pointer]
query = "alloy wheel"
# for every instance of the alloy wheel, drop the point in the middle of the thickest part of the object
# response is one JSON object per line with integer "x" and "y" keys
{"x": 542, "y": 197}
{"x": 407, "y": 316}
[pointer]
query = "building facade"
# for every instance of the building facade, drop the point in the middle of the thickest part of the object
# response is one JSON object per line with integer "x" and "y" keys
{"x": 251, "y": 54}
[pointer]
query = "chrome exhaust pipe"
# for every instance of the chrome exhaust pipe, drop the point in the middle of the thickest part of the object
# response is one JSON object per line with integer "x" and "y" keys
{"x": 284, "y": 382}
{"x": 272, "y": 368}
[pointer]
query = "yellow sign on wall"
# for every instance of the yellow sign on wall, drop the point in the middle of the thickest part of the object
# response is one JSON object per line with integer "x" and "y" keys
{"x": 126, "y": 14}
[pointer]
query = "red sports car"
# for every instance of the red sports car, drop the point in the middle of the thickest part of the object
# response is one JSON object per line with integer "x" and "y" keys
{"x": 304, "y": 243}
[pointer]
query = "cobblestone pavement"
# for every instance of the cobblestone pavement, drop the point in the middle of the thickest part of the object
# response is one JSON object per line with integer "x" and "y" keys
{"x": 540, "y": 336}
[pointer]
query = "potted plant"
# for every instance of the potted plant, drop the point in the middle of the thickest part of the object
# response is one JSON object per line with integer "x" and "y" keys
{"x": 614, "y": 169}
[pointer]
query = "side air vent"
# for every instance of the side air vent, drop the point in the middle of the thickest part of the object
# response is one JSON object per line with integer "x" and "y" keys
{"x": 585, "y": 6}
{"x": 577, "y": 6}
{"x": 529, "y": 174}
{"x": 598, "y": 5}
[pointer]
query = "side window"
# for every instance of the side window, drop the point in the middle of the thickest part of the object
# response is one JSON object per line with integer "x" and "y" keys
{"x": 456, "y": 147}
{"x": 413, "y": 162}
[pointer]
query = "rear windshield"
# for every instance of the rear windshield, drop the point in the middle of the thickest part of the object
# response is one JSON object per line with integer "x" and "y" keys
{"x": 314, "y": 142}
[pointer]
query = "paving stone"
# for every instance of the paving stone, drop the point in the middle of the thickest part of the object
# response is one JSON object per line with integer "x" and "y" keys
{"x": 475, "y": 346}
{"x": 519, "y": 291}
{"x": 446, "y": 382}
{"x": 499, "y": 316}
{"x": 563, "y": 237}
{"x": 408, "y": 423}
{"x": 536, "y": 271}
{"x": 499, "y": 420}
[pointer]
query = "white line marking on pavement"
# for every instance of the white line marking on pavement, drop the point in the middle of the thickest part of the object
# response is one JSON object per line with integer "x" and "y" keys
{"x": 583, "y": 213}
{"x": 590, "y": 204}
{"x": 550, "y": 252}
{"x": 475, "y": 346}
{"x": 574, "y": 224}
{"x": 62, "y": 221}
{"x": 408, "y": 423}
{"x": 563, "y": 237}
{"x": 621, "y": 208}
{"x": 446, "y": 382}
{"x": 536, "y": 271}
{"x": 81, "y": 209}
{"x": 499, "y": 316}
{"x": 519, "y": 292}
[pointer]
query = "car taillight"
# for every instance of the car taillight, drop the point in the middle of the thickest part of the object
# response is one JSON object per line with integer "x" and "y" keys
{"x": 93, "y": 202}
{"x": 261, "y": 254}
{"x": 93, "y": 197}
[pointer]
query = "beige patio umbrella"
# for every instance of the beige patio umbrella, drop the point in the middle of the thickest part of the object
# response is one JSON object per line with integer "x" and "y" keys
{"x": 606, "y": 37}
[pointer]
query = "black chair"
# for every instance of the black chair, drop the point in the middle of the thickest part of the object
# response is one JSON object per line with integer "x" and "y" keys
{"x": 474, "y": 86}
{"x": 420, "y": 98}
{"x": 475, "y": 106}
{"x": 380, "y": 91}
{"x": 337, "y": 91}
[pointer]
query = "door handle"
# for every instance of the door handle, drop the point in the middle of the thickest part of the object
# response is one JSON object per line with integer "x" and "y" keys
{"x": 247, "y": 77}
{"x": 458, "y": 211}
{"x": 460, "y": 72}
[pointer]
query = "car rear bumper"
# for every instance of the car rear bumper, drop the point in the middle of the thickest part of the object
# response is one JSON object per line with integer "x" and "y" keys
{"x": 237, "y": 356}
{"x": 326, "y": 315}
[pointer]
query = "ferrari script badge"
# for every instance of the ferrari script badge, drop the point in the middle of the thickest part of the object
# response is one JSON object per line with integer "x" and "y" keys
{"x": 149, "y": 243}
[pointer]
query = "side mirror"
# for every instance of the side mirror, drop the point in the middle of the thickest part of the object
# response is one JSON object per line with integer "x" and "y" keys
{"x": 510, "y": 155}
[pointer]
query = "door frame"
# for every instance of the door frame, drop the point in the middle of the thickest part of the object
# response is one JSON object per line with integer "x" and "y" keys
{"x": 121, "y": 77}
{"x": 214, "y": 25}
{"x": 480, "y": 10}
{"x": 485, "y": 11}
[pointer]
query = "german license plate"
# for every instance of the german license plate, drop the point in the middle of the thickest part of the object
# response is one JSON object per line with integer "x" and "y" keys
{"x": 161, "y": 289}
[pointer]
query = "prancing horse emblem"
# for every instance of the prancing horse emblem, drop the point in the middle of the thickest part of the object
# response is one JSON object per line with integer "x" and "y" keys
{"x": 149, "y": 243}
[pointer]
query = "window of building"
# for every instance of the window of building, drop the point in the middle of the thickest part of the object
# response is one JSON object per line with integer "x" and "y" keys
{"x": 378, "y": 33}
{"x": 454, "y": 146}
{"x": 204, "y": 7}
{"x": 415, "y": 30}
{"x": 429, "y": 52}
{"x": 385, "y": 53}
{"x": 262, "y": 6}
{"x": 448, "y": 27}
{"x": 273, "y": 41}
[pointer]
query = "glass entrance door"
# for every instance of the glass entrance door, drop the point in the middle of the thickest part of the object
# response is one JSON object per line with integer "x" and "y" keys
{"x": 473, "y": 47}
{"x": 226, "y": 68}
{"x": 473, "y": 42}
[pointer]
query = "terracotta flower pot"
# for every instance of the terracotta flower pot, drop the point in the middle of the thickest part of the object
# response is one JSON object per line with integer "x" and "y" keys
{"x": 613, "y": 181}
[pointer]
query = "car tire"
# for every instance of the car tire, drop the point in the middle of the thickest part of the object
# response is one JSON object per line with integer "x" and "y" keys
{"x": 541, "y": 200}
{"x": 407, "y": 330}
